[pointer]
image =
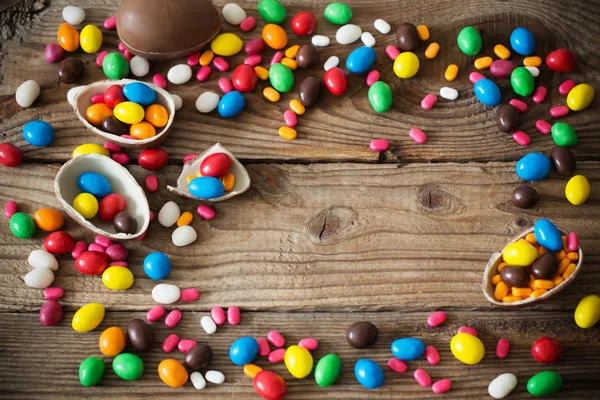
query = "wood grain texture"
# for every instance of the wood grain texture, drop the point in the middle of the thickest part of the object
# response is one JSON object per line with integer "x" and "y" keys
{"x": 338, "y": 128}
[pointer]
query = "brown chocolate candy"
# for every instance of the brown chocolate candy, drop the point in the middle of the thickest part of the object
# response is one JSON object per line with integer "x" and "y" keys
{"x": 563, "y": 160}
{"x": 525, "y": 197}
{"x": 309, "y": 91}
{"x": 70, "y": 70}
{"x": 140, "y": 334}
{"x": 361, "y": 335}
{"x": 514, "y": 276}
{"x": 507, "y": 118}
{"x": 545, "y": 267}
{"x": 114, "y": 126}
{"x": 307, "y": 56}
{"x": 198, "y": 356}
{"x": 407, "y": 36}
{"x": 125, "y": 222}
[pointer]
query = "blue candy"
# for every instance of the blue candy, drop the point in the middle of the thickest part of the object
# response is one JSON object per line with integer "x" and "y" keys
{"x": 94, "y": 183}
{"x": 522, "y": 41}
{"x": 157, "y": 265}
{"x": 38, "y": 133}
{"x": 533, "y": 167}
{"x": 487, "y": 92}
{"x": 360, "y": 60}
{"x": 231, "y": 104}
{"x": 139, "y": 93}
{"x": 243, "y": 351}
{"x": 408, "y": 349}
{"x": 548, "y": 235}
{"x": 368, "y": 373}
{"x": 206, "y": 187}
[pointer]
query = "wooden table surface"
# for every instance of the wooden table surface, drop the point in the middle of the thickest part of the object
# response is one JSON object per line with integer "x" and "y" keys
{"x": 330, "y": 233}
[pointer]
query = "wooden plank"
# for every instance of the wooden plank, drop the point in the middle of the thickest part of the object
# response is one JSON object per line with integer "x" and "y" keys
{"x": 338, "y": 128}
{"x": 48, "y": 357}
{"x": 324, "y": 237}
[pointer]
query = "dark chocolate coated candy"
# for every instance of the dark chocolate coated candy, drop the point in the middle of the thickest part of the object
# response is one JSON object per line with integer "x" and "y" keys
{"x": 309, "y": 91}
{"x": 525, "y": 197}
{"x": 198, "y": 356}
{"x": 70, "y": 70}
{"x": 545, "y": 267}
{"x": 140, "y": 334}
{"x": 408, "y": 37}
{"x": 514, "y": 276}
{"x": 361, "y": 335}
{"x": 563, "y": 160}
{"x": 125, "y": 223}
{"x": 507, "y": 118}
{"x": 307, "y": 56}
{"x": 114, "y": 126}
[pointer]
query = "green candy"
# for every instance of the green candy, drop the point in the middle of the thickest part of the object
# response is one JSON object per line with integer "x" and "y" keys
{"x": 522, "y": 81}
{"x": 272, "y": 11}
{"x": 564, "y": 135}
{"x": 22, "y": 225}
{"x": 115, "y": 66}
{"x": 380, "y": 96}
{"x": 91, "y": 371}
{"x": 338, "y": 13}
{"x": 281, "y": 78}
{"x": 544, "y": 383}
{"x": 128, "y": 366}
{"x": 469, "y": 41}
{"x": 328, "y": 370}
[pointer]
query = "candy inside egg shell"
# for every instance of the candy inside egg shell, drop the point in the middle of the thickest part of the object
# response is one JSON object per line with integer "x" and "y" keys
{"x": 121, "y": 181}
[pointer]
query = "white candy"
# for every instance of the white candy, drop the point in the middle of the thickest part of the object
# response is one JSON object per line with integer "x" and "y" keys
{"x": 209, "y": 327}
{"x": 215, "y": 377}
{"x": 73, "y": 15}
{"x": 179, "y": 74}
{"x": 331, "y": 62}
{"x": 177, "y": 100}
{"x": 367, "y": 39}
{"x": 184, "y": 235}
{"x": 382, "y": 26}
{"x": 165, "y": 294}
{"x": 502, "y": 385}
{"x": 168, "y": 214}
{"x": 27, "y": 93}
{"x": 234, "y": 14}
{"x": 72, "y": 92}
{"x": 39, "y": 278}
{"x": 320, "y": 41}
{"x": 348, "y": 33}
{"x": 197, "y": 380}
{"x": 534, "y": 71}
{"x": 139, "y": 66}
{"x": 207, "y": 102}
{"x": 448, "y": 93}
{"x": 42, "y": 259}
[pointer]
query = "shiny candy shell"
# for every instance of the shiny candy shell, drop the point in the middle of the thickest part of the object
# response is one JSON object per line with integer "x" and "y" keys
{"x": 336, "y": 81}
{"x": 380, "y": 96}
{"x": 328, "y": 370}
{"x": 561, "y": 60}
{"x": 128, "y": 366}
{"x": 153, "y": 159}
{"x": 244, "y": 78}
{"x": 360, "y": 60}
{"x": 587, "y": 313}
{"x": 140, "y": 93}
{"x": 304, "y": 23}
{"x": 231, "y": 104}
{"x": 487, "y": 92}
{"x": 578, "y": 190}
{"x": 298, "y": 361}
{"x": 90, "y": 39}
{"x": 244, "y": 351}
{"x": 269, "y": 385}
{"x": 533, "y": 167}
{"x": 226, "y": 44}
{"x": 88, "y": 317}
{"x": 129, "y": 112}
{"x": 68, "y": 37}
{"x": 274, "y": 36}
{"x": 502, "y": 385}
{"x": 520, "y": 254}
{"x": 215, "y": 164}
{"x": 469, "y": 41}
{"x": 22, "y": 225}
{"x": 368, "y": 373}
{"x": 468, "y": 349}
{"x": 406, "y": 65}
{"x": 580, "y": 97}
{"x": 408, "y": 349}
{"x": 172, "y": 372}
{"x": 281, "y": 78}
{"x": 117, "y": 278}
{"x": 48, "y": 219}
{"x": 112, "y": 341}
{"x": 94, "y": 183}
{"x": 547, "y": 350}
{"x": 157, "y": 265}
{"x": 59, "y": 242}
{"x": 547, "y": 235}
{"x": 38, "y": 133}
{"x": 544, "y": 383}
{"x": 91, "y": 263}
{"x": 522, "y": 41}
{"x": 206, "y": 187}
{"x": 91, "y": 371}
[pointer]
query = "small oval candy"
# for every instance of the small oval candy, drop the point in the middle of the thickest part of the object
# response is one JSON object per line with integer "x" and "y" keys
{"x": 577, "y": 190}
{"x": 226, "y": 44}
{"x": 467, "y": 349}
{"x": 51, "y": 313}
{"x": 304, "y": 23}
{"x": 115, "y": 66}
{"x": 169, "y": 214}
{"x": 129, "y": 112}
{"x": 406, "y": 65}
{"x": 502, "y": 385}
{"x": 545, "y": 267}
{"x": 547, "y": 235}
{"x": 502, "y": 348}
{"x": 514, "y": 276}
{"x": 127, "y": 366}
{"x": 502, "y": 68}
{"x": 27, "y": 93}
{"x": 469, "y": 41}
{"x": 141, "y": 334}
{"x": 507, "y": 118}
{"x": 368, "y": 373}
{"x": 487, "y": 92}
{"x": 91, "y": 263}
{"x": 70, "y": 70}
{"x": 215, "y": 164}
{"x": 157, "y": 265}
{"x": 269, "y": 385}
{"x": 522, "y": 41}
{"x": 587, "y": 313}
{"x": 10, "y": 155}
{"x": 561, "y": 60}
{"x": 281, "y": 78}
{"x": 88, "y": 317}
{"x": 336, "y": 81}
{"x": 153, "y": 159}
{"x": 199, "y": 356}
{"x": 231, "y": 104}
{"x": 22, "y": 225}
{"x": 533, "y": 167}
{"x": 48, "y": 219}
{"x": 547, "y": 350}
{"x": 117, "y": 278}
{"x": 39, "y": 278}
{"x": 244, "y": 351}
{"x": 206, "y": 187}
{"x": 112, "y": 341}
{"x": 68, "y": 37}
{"x": 244, "y": 78}
{"x": 38, "y": 133}
{"x": 172, "y": 372}
{"x": 337, "y": 13}
{"x": 362, "y": 334}
{"x": 298, "y": 361}
{"x": 564, "y": 135}
{"x": 91, "y": 371}
{"x": 59, "y": 242}
{"x": 328, "y": 370}
{"x": 274, "y": 36}
{"x": 184, "y": 236}
{"x": 140, "y": 93}
{"x": 407, "y": 37}
{"x": 94, "y": 183}
{"x": 380, "y": 96}
{"x": 522, "y": 81}
{"x": 309, "y": 91}
{"x": 164, "y": 293}
{"x": 272, "y": 11}
{"x": 563, "y": 161}
{"x": 580, "y": 97}
{"x": 520, "y": 254}
{"x": 408, "y": 349}
{"x": 348, "y": 34}
{"x": 360, "y": 60}
{"x": 544, "y": 383}
{"x": 90, "y": 39}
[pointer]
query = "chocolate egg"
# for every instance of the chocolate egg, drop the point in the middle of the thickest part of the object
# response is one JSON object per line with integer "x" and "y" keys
{"x": 545, "y": 267}
{"x": 158, "y": 29}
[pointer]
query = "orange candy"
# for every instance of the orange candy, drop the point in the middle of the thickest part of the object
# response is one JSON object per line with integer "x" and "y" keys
{"x": 96, "y": 113}
{"x": 521, "y": 292}
{"x": 274, "y": 36}
{"x": 228, "y": 181}
{"x": 501, "y": 291}
{"x": 48, "y": 219}
{"x": 562, "y": 267}
{"x": 142, "y": 130}
{"x": 172, "y": 372}
{"x": 537, "y": 293}
{"x": 530, "y": 238}
{"x": 250, "y": 370}
{"x": 511, "y": 299}
{"x": 157, "y": 115}
{"x": 68, "y": 37}
{"x": 112, "y": 341}
{"x": 185, "y": 218}
{"x": 543, "y": 284}
{"x": 569, "y": 271}
{"x": 496, "y": 279}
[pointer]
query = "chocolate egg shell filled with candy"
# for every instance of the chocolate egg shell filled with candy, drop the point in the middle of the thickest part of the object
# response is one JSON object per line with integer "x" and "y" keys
{"x": 159, "y": 29}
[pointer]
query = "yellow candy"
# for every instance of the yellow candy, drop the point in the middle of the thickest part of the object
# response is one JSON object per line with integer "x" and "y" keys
{"x": 129, "y": 112}
{"x": 86, "y": 205}
{"x": 297, "y": 107}
{"x": 206, "y": 57}
{"x": 577, "y": 190}
{"x": 519, "y": 253}
{"x": 90, "y": 39}
{"x": 88, "y": 317}
{"x": 406, "y": 65}
{"x": 502, "y": 52}
{"x": 467, "y": 349}
{"x": 580, "y": 97}
{"x": 117, "y": 278}
{"x": 298, "y": 361}
{"x": 291, "y": 52}
{"x": 90, "y": 148}
{"x": 262, "y": 72}
{"x": 587, "y": 313}
{"x": 287, "y": 133}
{"x": 451, "y": 72}
{"x": 226, "y": 44}
{"x": 250, "y": 370}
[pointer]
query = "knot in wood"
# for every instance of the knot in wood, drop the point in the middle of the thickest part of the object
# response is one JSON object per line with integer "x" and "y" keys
{"x": 326, "y": 227}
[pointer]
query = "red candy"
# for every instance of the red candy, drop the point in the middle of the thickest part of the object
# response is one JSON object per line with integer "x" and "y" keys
{"x": 547, "y": 350}
{"x": 97, "y": 98}
{"x": 10, "y": 155}
{"x": 254, "y": 46}
{"x": 59, "y": 242}
{"x": 193, "y": 58}
{"x": 244, "y": 78}
{"x": 159, "y": 81}
{"x": 397, "y": 365}
{"x": 170, "y": 343}
{"x": 216, "y": 164}
{"x": 269, "y": 385}
{"x": 248, "y": 24}
{"x": 114, "y": 95}
{"x": 502, "y": 348}
{"x": 304, "y": 23}
{"x": 335, "y": 81}
{"x": 152, "y": 183}
{"x": 51, "y": 313}
{"x": 91, "y": 263}
{"x": 203, "y": 73}
{"x": 110, "y": 206}
{"x": 152, "y": 159}
{"x": 561, "y": 60}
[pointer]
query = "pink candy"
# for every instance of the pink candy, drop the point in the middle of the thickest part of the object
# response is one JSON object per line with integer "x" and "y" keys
{"x": 263, "y": 347}
{"x": 218, "y": 315}
{"x": 417, "y": 135}
{"x": 121, "y": 158}
{"x": 155, "y": 314}
{"x": 189, "y": 157}
{"x": 102, "y": 241}
{"x": 190, "y": 294}
{"x": 566, "y": 86}
{"x": 100, "y": 58}
{"x": 10, "y": 209}
{"x": 502, "y": 68}
{"x": 290, "y": 118}
{"x": 253, "y": 60}
{"x": 205, "y": 212}
{"x": 521, "y": 138}
{"x": 203, "y": 73}
{"x": 432, "y": 355}
{"x": 466, "y": 329}
{"x": 233, "y": 315}
{"x": 185, "y": 345}
{"x": 193, "y": 58}
{"x": 97, "y": 98}
{"x": 221, "y": 64}
{"x": 128, "y": 56}
{"x": 110, "y": 23}
{"x": 519, "y": 105}
{"x": 117, "y": 252}
{"x": 442, "y": 386}
{"x": 309, "y": 344}
{"x": 397, "y": 365}
{"x": 276, "y": 339}
{"x": 152, "y": 183}
{"x": 379, "y": 145}
{"x": 559, "y": 111}
{"x": 276, "y": 356}
{"x": 79, "y": 248}
{"x": 53, "y": 53}
{"x": 173, "y": 318}
{"x": 254, "y": 46}
{"x": 225, "y": 85}
{"x": 119, "y": 264}
{"x": 502, "y": 348}
{"x": 428, "y": 101}
{"x": 96, "y": 247}
{"x": 53, "y": 293}
{"x": 539, "y": 94}
{"x": 248, "y": 24}
{"x": 543, "y": 126}
{"x": 422, "y": 377}
{"x": 436, "y": 319}
{"x": 277, "y": 57}
{"x": 572, "y": 241}
{"x": 113, "y": 148}
{"x": 475, "y": 76}
{"x": 372, "y": 77}
{"x": 160, "y": 81}
{"x": 151, "y": 216}
{"x": 170, "y": 343}
{"x": 392, "y": 52}
{"x": 121, "y": 47}
{"x": 128, "y": 137}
